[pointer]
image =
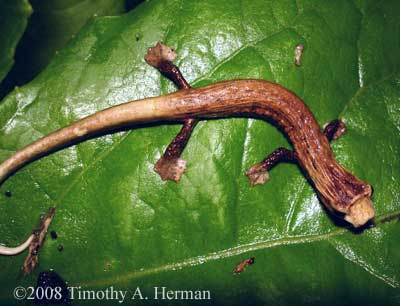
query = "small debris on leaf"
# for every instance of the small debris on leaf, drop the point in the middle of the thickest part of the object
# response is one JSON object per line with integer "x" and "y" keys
{"x": 53, "y": 235}
{"x": 298, "y": 52}
{"x": 243, "y": 265}
{"x": 32, "y": 260}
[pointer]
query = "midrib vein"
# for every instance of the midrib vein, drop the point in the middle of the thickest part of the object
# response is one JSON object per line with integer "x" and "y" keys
{"x": 202, "y": 259}
{"x": 230, "y": 252}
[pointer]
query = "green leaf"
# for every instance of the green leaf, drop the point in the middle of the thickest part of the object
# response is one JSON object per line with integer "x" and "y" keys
{"x": 51, "y": 26}
{"x": 13, "y": 21}
{"x": 122, "y": 226}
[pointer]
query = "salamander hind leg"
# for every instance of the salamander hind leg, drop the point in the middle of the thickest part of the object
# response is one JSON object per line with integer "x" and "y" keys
{"x": 258, "y": 174}
{"x": 171, "y": 166}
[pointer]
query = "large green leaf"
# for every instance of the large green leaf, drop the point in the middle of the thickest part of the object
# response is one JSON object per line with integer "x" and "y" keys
{"x": 13, "y": 20}
{"x": 122, "y": 226}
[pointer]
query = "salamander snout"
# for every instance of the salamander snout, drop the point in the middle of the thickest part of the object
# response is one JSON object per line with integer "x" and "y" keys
{"x": 360, "y": 212}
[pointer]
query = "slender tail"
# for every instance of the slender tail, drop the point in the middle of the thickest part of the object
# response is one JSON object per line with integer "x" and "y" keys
{"x": 135, "y": 112}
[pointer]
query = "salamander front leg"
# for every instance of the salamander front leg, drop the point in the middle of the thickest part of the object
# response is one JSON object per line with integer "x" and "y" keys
{"x": 170, "y": 166}
{"x": 258, "y": 174}
{"x": 334, "y": 129}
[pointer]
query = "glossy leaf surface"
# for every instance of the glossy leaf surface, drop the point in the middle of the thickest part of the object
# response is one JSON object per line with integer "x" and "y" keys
{"x": 121, "y": 225}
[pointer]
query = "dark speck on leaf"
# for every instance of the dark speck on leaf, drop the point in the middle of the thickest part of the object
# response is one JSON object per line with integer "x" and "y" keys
{"x": 60, "y": 248}
{"x": 53, "y": 235}
{"x": 8, "y": 193}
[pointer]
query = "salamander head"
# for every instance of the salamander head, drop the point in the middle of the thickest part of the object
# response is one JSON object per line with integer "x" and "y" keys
{"x": 360, "y": 212}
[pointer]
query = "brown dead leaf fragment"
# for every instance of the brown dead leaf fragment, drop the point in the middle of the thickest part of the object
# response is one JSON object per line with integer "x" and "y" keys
{"x": 32, "y": 260}
{"x": 240, "y": 267}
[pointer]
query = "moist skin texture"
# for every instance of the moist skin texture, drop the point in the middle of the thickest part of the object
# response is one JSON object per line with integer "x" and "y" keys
{"x": 339, "y": 190}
